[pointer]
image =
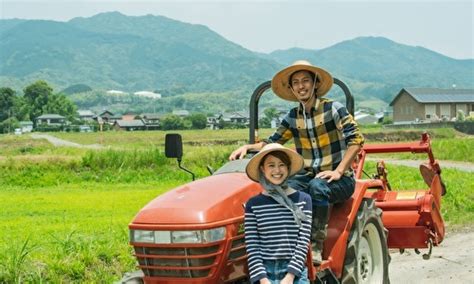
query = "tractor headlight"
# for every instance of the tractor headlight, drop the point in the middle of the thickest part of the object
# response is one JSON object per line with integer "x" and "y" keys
{"x": 178, "y": 237}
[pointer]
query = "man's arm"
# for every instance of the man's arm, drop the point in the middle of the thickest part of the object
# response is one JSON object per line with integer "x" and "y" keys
{"x": 242, "y": 151}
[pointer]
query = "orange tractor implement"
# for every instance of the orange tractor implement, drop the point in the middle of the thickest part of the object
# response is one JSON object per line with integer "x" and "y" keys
{"x": 194, "y": 233}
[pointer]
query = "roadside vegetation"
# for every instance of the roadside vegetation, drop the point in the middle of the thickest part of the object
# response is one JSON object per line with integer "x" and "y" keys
{"x": 66, "y": 210}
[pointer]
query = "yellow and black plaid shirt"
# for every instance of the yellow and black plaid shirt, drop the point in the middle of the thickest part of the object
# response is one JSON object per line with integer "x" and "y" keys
{"x": 324, "y": 138}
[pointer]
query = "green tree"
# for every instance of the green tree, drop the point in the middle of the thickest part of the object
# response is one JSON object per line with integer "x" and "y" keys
{"x": 36, "y": 96}
{"x": 172, "y": 122}
{"x": 59, "y": 104}
{"x": 198, "y": 120}
{"x": 269, "y": 114}
{"x": 8, "y": 125}
{"x": 7, "y": 103}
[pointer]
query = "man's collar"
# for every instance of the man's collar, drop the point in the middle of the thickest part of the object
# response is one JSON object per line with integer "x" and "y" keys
{"x": 313, "y": 107}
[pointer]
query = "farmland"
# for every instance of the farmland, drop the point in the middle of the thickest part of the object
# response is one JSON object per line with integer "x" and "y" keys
{"x": 65, "y": 210}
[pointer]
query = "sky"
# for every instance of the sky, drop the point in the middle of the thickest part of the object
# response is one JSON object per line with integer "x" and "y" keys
{"x": 264, "y": 26}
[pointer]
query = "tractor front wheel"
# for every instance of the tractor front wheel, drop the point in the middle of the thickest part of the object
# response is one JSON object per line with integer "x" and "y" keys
{"x": 367, "y": 257}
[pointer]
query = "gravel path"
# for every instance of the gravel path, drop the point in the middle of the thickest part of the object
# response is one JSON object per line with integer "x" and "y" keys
{"x": 462, "y": 166}
{"x": 64, "y": 143}
{"x": 451, "y": 262}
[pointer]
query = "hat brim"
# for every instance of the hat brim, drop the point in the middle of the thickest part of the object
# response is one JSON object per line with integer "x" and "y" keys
{"x": 253, "y": 167}
{"x": 281, "y": 81}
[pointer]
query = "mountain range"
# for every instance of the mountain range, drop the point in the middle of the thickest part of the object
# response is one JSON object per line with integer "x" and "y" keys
{"x": 135, "y": 53}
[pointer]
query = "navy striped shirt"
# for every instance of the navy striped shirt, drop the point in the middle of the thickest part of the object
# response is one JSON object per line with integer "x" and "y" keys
{"x": 271, "y": 233}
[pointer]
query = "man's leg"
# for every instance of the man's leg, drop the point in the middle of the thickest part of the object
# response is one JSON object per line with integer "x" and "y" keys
{"x": 319, "y": 191}
{"x": 324, "y": 193}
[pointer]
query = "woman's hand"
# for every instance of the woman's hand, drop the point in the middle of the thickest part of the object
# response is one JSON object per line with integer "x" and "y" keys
{"x": 330, "y": 175}
{"x": 239, "y": 153}
{"x": 288, "y": 279}
{"x": 265, "y": 281}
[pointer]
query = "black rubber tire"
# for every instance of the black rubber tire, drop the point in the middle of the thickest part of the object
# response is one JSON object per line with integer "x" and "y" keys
{"x": 367, "y": 257}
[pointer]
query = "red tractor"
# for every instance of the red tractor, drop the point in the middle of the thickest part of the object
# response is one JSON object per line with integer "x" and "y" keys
{"x": 194, "y": 233}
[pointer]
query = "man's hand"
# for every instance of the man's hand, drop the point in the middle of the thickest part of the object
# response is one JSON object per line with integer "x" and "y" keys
{"x": 288, "y": 279}
{"x": 330, "y": 175}
{"x": 239, "y": 153}
{"x": 265, "y": 281}
{"x": 242, "y": 151}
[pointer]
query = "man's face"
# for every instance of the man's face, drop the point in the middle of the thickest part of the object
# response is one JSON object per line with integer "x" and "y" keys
{"x": 302, "y": 85}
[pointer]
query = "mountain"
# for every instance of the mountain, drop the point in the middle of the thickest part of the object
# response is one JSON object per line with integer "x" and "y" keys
{"x": 382, "y": 67}
{"x": 114, "y": 51}
{"x": 187, "y": 63}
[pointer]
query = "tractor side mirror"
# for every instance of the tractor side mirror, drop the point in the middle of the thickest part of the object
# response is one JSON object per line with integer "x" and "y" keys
{"x": 174, "y": 149}
{"x": 173, "y": 146}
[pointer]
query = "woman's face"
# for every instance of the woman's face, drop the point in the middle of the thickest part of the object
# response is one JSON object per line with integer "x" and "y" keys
{"x": 274, "y": 170}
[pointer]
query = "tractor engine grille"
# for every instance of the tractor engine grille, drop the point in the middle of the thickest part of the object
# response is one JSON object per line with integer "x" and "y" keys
{"x": 237, "y": 248}
{"x": 178, "y": 262}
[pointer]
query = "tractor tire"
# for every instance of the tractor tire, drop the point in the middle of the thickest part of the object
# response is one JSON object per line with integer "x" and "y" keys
{"x": 367, "y": 255}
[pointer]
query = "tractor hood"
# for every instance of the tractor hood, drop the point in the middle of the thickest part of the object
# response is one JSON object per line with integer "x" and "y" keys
{"x": 209, "y": 200}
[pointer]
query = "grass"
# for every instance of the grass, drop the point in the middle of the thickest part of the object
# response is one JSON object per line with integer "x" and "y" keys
{"x": 65, "y": 211}
{"x": 72, "y": 233}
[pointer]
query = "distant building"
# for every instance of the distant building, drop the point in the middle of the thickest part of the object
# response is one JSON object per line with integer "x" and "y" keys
{"x": 148, "y": 94}
{"x": 129, "y": 125}
{"x": 367, "y": 118}
{"x": 26, "y": 126}
{"x": 115, "y": 92}
{"x": 430, "y": 104}
{"x": 86, "y": 115}
{"x": 129, "y": 116}
{"x": 107, "y": 117}
{"x": 152, "y": 120}
{"x": 240, "y": 117}
{"x": 50, "y": 119}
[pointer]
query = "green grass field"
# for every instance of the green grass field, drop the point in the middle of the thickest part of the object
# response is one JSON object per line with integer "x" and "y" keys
{"x": 66, "y": 210}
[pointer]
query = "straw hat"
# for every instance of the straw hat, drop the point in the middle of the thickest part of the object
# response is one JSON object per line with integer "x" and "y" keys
{"x": 253, "y": 171}
{"x": 281, "y": 81}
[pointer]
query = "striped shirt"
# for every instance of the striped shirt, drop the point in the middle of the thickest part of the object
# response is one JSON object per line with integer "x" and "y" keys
{"x": 271, "y": 233}
{"x": 322, "y": 137}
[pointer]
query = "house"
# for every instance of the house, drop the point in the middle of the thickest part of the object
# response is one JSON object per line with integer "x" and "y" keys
{"x": 430, "y": 104}
{"x": 148, "y": 94}
{"x": 151, "y": 120}
{"x": 237, "y": 117}
{"x": 213, "y": 121}
{"x": 362, "y": 117}
{"x": 26, "y": 126}
{"x": 50, "y": 119}
{"x": 129, "y": 125}
{"x": 85, "y": 115}
{"x": 129, "y": 116}
{"x": 107, "y": 117}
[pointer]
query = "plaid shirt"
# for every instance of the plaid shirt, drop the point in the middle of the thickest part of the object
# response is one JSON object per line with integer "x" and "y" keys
{"x": 324, "y": 138}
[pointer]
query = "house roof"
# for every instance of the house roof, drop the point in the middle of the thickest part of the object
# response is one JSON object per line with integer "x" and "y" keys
{"x": 433, "y": 95}
{"x": 83, "y": 112}
{"x": 152, "y": 115}
{"x": 130, "y": 123}
{"x": 50, "y": 116}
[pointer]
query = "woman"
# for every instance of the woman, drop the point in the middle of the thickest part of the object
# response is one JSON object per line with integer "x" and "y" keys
{"x": 277, "y": 221}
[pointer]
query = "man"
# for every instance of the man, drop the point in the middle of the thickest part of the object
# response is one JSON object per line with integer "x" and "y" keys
{"x": 324, "y": 133}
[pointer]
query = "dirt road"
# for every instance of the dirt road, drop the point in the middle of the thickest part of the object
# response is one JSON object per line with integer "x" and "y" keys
{"x": 60, "y": 142}
{"x": 451, "y": 262}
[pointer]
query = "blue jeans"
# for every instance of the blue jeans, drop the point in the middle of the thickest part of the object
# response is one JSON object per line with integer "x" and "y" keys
{"x": 322, "y": 193}
{"x": 277, "y": 269}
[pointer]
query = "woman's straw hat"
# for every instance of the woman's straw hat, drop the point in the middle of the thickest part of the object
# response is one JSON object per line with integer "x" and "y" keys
{"x": 281, "y": 81}
{"x": 253, "y": 167}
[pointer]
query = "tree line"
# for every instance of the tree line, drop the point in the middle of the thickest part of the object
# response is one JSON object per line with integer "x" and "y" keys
{"x": 38, "y": 99}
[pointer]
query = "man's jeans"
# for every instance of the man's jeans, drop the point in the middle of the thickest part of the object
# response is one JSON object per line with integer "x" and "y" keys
{"x": 322, "y": 193}
{"x": 277, "y": 269}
